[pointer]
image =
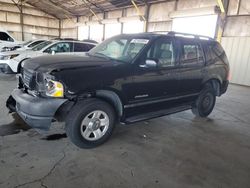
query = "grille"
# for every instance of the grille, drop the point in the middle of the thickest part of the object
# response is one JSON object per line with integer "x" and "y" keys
{"x": 28, "y": 78}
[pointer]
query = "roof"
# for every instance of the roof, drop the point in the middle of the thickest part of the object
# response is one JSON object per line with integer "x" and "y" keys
{"x": 75, "y": 41}
{"x": 171, "y": 33}
{"x": 74, "y": 8}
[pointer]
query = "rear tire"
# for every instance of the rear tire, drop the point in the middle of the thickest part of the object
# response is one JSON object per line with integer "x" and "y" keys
{"x": 205, "y": 103}
{"x": 90, "y": 123}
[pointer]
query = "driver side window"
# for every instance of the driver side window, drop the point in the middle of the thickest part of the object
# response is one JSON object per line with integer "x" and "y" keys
{"x": 162, "y": 51}
{"x": 61, "y": 47}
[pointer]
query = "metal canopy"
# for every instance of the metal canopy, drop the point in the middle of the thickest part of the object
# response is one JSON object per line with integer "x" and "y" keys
{"x": 74, "y": 8}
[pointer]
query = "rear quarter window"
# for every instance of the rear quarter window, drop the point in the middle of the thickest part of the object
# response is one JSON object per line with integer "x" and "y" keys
{"x": 218, "y": 50}
{"x": 82, "y": 47}
{"x": 90, "y": 46}
{"x": 215, "y": 51}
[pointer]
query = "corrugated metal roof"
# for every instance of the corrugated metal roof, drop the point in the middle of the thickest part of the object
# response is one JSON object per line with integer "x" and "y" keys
{"x": 72, "y": 8}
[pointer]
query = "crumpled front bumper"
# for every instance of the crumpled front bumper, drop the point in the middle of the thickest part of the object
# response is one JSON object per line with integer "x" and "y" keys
{"x": 37, "y": 112}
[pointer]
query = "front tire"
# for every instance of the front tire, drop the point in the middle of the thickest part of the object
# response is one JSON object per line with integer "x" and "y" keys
{"x": 205, "y": 103}
{"x": 90, "y": 123}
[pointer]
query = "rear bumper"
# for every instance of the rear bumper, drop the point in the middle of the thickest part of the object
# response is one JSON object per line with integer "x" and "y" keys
{"x": 37, "y": 112}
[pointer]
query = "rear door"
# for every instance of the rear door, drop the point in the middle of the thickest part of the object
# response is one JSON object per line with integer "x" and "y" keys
{"x": 191, "y": 67}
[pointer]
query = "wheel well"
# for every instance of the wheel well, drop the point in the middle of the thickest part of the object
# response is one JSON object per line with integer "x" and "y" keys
{"x": 216, "y": 85}
{"x": 19, "y": 65}
{"x": 112, "y": 98}
{"x": 108, "y": 96}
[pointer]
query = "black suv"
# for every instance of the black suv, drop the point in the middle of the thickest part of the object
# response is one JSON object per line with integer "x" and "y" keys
{"x": 127, "y": 78}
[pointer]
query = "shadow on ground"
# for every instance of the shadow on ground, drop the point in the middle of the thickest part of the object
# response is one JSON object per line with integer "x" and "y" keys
{"x": 14, "y": 127}
{"x": 55, "y": 137}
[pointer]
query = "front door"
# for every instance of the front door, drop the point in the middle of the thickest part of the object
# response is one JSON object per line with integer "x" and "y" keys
{"x": 155, "y": 84}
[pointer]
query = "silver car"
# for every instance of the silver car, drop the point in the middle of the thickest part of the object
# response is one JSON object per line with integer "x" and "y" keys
{"x": 10, "y": 62}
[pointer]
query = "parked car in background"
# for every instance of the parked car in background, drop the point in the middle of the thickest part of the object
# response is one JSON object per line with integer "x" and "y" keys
{"x": 7, "y": 40}
{"x": 25, "y": 46}
{"x": 127, "y": 78}
{"x": 90, "y": 40}
{"x": 10, "y": 62}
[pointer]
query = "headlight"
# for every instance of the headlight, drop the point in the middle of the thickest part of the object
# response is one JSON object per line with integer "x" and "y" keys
{"x": 6, "y": 57}
{"x": 6, "y": 49}
{"x": 54, "y": 88}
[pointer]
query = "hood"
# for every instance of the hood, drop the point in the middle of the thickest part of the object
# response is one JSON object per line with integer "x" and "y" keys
{"x": 19, "y": 42}
{"x": 60, "y": 62}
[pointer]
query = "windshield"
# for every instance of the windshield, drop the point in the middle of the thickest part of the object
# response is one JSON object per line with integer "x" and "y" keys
{"x": 26, "y": 43}
{"x": 121, "y": 48}
{"x": 41, "y": 45}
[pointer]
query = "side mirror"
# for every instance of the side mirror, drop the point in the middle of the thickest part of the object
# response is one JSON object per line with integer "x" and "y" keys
{"x": 53, "y": 52}
{"x": 149, "y": 64}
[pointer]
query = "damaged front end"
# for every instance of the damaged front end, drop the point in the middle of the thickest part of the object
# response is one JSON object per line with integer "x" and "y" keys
{"x": 31, "y": 104}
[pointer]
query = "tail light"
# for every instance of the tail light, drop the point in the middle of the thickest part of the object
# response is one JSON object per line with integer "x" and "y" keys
{"x": 229, "y": 75}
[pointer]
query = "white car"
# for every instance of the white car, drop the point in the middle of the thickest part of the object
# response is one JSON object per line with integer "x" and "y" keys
{"x": 7, "y": 40}
{"x": 25, "y": 46}
{"x": 10, "y": 62}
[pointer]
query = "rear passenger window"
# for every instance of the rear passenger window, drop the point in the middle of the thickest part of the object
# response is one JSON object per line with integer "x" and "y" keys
{"x": 191, "y": 53}
{"x": 81, "y": 47}
{"x": 60, "y": 47}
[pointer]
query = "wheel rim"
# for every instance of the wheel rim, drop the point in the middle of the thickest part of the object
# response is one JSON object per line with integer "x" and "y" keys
{"x": 207, "y": 102}
{"x": 94, "y": 125}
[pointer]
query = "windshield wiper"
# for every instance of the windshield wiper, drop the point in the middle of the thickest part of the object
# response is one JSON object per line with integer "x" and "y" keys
{"x": 98, "y": 54}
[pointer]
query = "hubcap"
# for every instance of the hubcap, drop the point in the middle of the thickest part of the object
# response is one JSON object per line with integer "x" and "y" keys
{"x": 94, "y": 125}
{"x": 207, "y": 102}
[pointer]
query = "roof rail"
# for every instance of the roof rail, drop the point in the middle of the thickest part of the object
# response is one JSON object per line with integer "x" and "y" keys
{"x": 90, "y": 41}
{"x": 188, "y": 35}
{"x": 173, "y": 33}
{"x": 65, "y": 39}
